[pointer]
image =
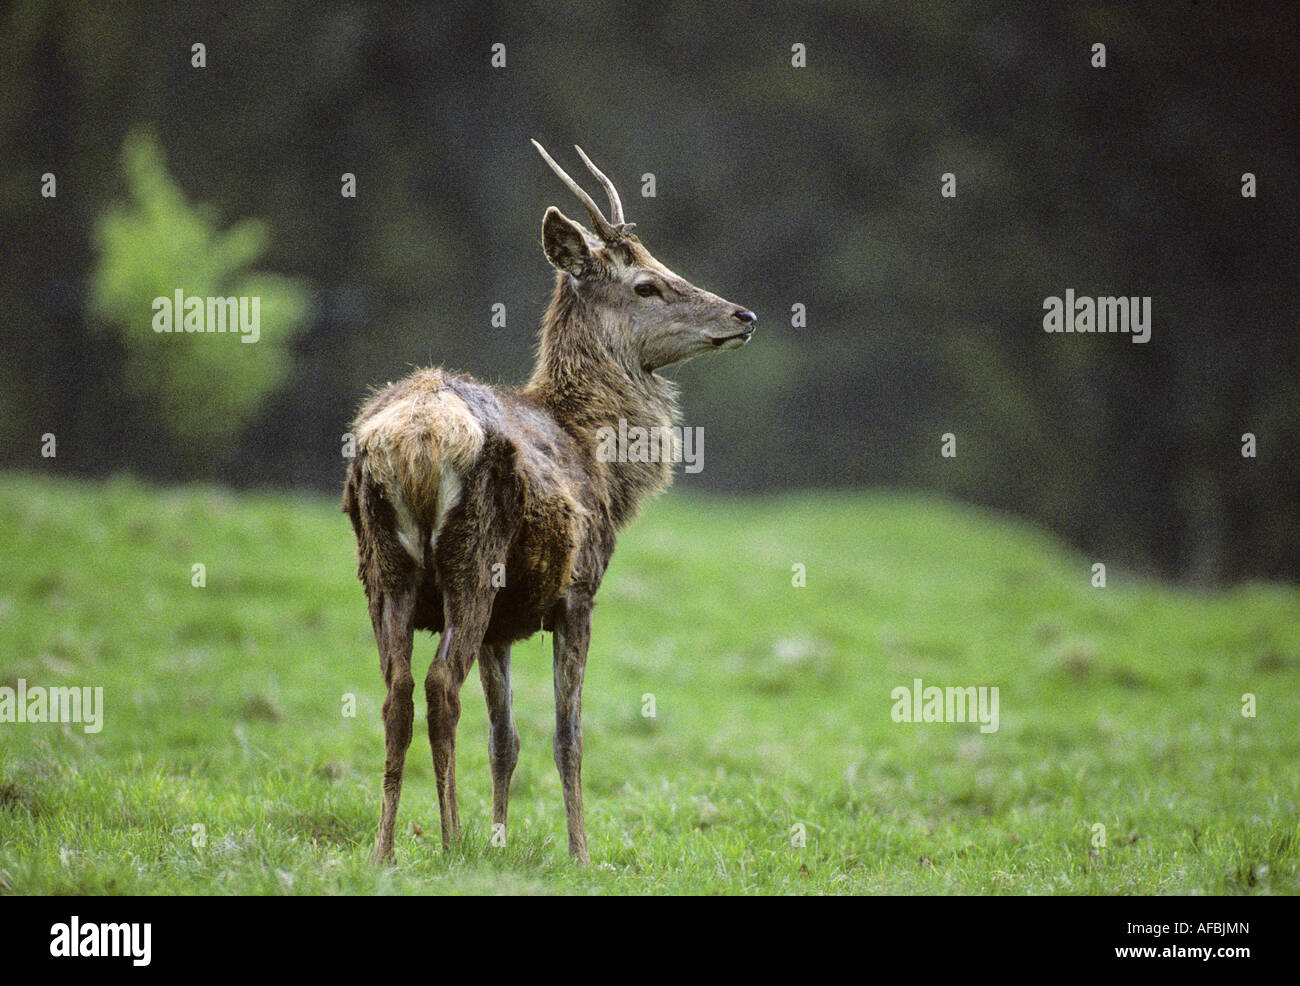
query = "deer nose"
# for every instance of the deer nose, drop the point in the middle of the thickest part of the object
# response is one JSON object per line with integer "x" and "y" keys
{"x": 744, "y": 315}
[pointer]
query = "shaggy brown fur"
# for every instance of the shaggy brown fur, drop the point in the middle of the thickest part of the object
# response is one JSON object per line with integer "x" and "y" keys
{"x": 485, "y": 514}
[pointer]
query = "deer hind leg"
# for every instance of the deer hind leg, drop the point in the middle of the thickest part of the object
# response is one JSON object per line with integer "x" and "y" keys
{"x": 503, "y": 736}
{"x": 442, "y": 691}
{"x": 393, "y": 617}
{"x": 474, "y": 538}
{"x": 466, "y": 616}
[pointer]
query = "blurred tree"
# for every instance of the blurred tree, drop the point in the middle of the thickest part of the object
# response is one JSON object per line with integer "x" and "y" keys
{"x": 775, "y": 185}
{"x": 203, "y": 388}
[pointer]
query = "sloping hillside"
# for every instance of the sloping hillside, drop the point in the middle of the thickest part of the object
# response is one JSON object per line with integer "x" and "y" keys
{"x": 225, "y": 762}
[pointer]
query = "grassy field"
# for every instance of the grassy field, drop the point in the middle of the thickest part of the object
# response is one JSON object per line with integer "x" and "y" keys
{"x": 224, "y": 708}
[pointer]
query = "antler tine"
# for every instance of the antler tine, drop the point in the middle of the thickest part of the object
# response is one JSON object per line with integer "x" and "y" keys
{"x": 616, "y": 206}
{"x": 603, "y": 229}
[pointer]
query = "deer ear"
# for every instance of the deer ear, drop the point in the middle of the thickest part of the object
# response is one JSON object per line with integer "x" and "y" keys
{"x": 565, "y": 245}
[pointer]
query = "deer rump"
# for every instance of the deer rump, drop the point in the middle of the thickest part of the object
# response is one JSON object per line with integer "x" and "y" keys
{"x": 455, "y": 484}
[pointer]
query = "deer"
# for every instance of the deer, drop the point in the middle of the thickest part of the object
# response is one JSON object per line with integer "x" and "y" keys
{"x": 486, "y": 514}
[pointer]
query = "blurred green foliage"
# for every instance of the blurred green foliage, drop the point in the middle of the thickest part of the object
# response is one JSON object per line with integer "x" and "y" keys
{"x": 775, "y": 185}
{"x": 202, "y": 388}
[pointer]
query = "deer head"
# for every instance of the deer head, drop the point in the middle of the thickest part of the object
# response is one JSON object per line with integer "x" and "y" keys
{"x": 644, "y": 315}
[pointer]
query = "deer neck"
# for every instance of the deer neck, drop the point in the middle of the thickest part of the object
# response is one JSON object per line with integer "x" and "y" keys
{"x": 592, "y": 395}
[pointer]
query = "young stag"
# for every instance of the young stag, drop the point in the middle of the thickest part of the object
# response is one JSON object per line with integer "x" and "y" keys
{"x": 486, "y": 514}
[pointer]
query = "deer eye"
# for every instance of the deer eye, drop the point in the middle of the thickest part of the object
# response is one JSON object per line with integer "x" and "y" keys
{"x": 647, "y": 289}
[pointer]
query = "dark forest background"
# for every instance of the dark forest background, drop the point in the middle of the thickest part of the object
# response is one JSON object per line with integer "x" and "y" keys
{"x": 775, "y": 186}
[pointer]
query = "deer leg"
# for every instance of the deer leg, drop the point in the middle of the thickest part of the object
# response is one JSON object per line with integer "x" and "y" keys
{"x": 442, "y": 691}
{"x": 572, "y": 633}
{"x": 466, "y": 622}
{"x": 392, "y": 615}
{"x": 479, "y": 531}
{"x": 503, "y": 737}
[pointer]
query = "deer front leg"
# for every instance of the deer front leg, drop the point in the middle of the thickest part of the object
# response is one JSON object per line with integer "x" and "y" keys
{"x": 503, "y": 736}
{"x": 392, "y": 616}
{"x": 572, "y": 633}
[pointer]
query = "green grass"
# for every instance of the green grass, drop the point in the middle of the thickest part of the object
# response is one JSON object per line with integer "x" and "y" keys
{"x": 223, "y": 708}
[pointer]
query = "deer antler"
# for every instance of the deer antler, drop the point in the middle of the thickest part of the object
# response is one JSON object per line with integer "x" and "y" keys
{"x": 609, "y": 232}
{"x": 615, "y": 206}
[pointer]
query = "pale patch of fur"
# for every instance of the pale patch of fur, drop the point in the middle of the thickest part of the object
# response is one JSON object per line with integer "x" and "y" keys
{"x": 418, "y": 447}
{"x": 449, "y": 490}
